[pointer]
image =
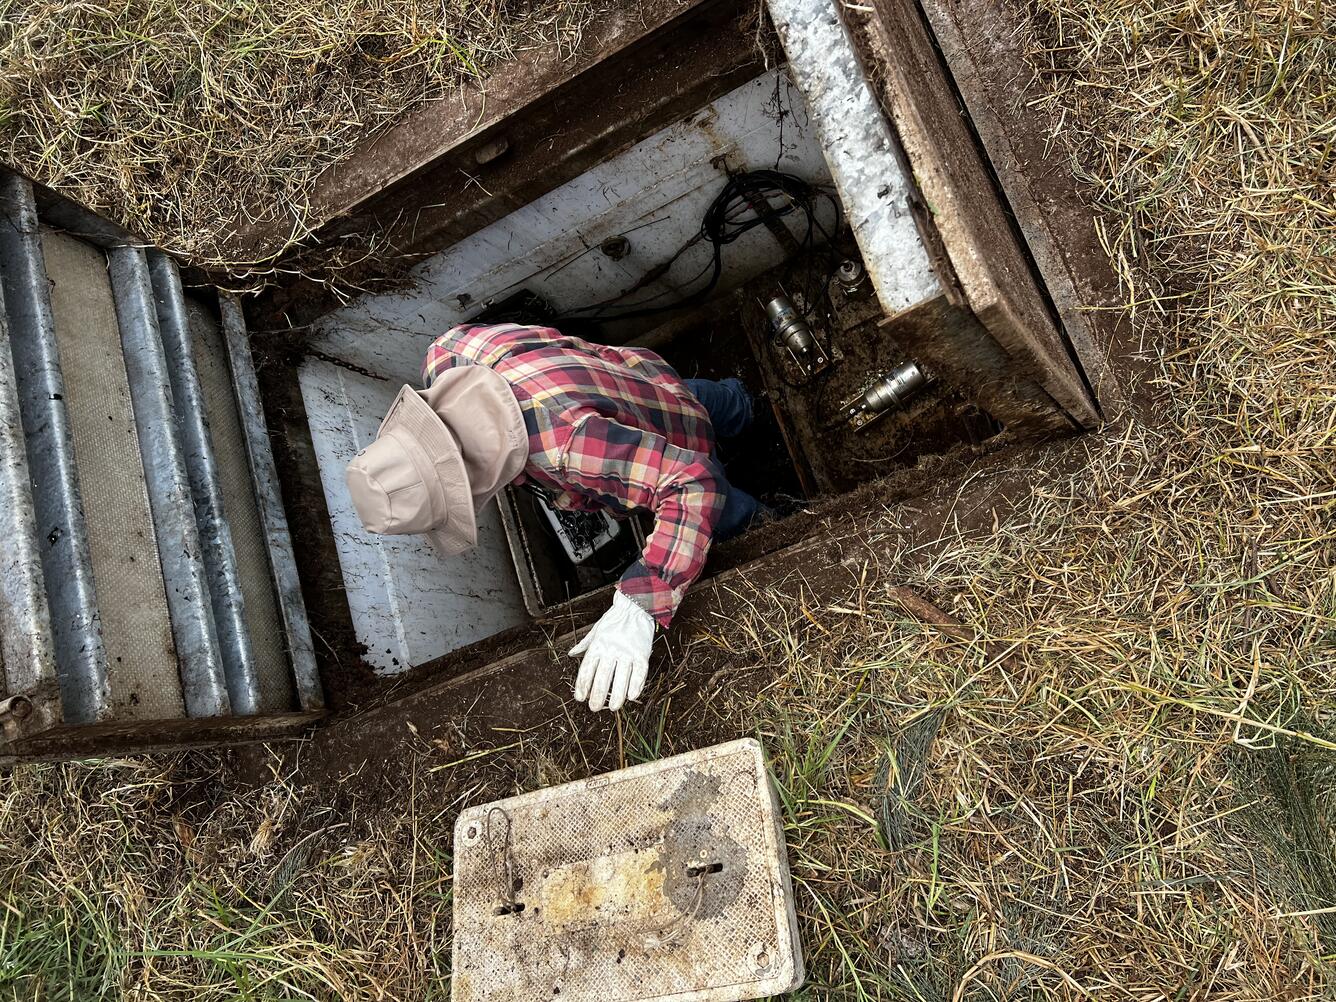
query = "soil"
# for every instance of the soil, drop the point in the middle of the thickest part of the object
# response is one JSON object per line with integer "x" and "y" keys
{"x": 483, "y": 712}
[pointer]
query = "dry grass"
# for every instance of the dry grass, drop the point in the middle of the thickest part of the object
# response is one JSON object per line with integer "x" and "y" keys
{"x": 188, "y": 121}
{"x": 1119, "y": 785}
{"x": 144, "y": 880}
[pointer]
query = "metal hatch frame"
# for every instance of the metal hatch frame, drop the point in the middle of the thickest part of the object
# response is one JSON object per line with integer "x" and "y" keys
{"x": 881, "y": 63}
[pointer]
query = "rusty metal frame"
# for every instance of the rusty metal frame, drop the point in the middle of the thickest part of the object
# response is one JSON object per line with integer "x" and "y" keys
{"x": 970, "y": 213}
{"x": 452, "y": 167}
{"x": 131, "y": 737}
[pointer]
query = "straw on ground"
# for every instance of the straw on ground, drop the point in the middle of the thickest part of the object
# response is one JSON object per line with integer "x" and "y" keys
{"x": 995, "y": 811}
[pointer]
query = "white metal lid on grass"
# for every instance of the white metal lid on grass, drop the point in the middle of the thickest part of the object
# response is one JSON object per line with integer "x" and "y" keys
{"x": 664, "y": 880}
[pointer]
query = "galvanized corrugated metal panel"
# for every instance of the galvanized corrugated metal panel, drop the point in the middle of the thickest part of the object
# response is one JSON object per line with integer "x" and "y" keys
{"x": 275, "y": 690}
{"x": 179, "y": 548}
{"x": 130, "y": 600}
{"x": 27, "y": 648}
{"x": 215, "y": 534}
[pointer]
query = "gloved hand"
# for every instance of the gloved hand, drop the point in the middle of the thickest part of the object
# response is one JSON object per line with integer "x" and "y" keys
{"x": 616, "y": 655}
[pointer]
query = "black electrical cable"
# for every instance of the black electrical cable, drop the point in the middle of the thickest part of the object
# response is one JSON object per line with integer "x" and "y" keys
{"x": 749, "y": 199}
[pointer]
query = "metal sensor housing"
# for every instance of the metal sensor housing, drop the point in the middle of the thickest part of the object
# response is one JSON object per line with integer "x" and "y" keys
{"x": 792, "y": 331}
{"x": 851, "y": 276}
{"x": 891, "y": 391}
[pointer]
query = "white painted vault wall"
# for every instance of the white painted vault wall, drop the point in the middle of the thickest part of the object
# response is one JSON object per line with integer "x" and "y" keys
{"x": 408, "y": 605}
{"x": 654, "y": 194}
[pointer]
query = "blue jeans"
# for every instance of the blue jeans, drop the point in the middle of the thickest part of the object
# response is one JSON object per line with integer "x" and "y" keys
{"x": 730, "y": 408}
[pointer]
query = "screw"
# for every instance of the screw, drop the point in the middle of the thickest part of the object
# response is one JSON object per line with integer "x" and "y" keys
{"x": 615, "y": 248}
{"x": 760, "y": 956}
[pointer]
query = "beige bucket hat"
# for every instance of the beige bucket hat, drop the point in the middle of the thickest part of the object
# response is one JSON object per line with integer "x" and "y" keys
{"x": 439, "y": 456}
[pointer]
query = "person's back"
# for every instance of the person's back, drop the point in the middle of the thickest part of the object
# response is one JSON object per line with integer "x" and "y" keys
{"x": 568, "y": 379}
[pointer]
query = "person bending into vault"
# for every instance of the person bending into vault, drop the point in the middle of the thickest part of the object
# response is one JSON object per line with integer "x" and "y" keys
{"x": 591, "y": 427}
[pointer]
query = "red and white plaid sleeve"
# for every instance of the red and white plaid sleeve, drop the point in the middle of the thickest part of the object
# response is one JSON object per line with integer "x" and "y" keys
{"x": 639, "y": 469}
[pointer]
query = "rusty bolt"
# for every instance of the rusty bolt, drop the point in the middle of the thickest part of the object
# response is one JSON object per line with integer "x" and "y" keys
{"x": 760, "y": 956}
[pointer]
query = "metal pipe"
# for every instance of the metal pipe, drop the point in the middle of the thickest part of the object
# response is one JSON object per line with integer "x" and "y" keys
{"x": 27, "y": 648}
{"x": 67, "y": 568}
{"x": 282, "y": 558}
{"x": 192, "y": 421}
{"x": 203, "y": 681}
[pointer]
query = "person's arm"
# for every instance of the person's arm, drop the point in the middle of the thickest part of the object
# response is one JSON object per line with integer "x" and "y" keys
{"x": 641, "y": 470}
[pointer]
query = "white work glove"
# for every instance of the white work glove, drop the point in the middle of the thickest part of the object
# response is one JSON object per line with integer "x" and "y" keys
{"x": 616, "y": 655}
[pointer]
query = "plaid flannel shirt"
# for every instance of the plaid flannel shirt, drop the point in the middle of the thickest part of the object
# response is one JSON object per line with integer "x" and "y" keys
{"x": 609, "y": 428}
